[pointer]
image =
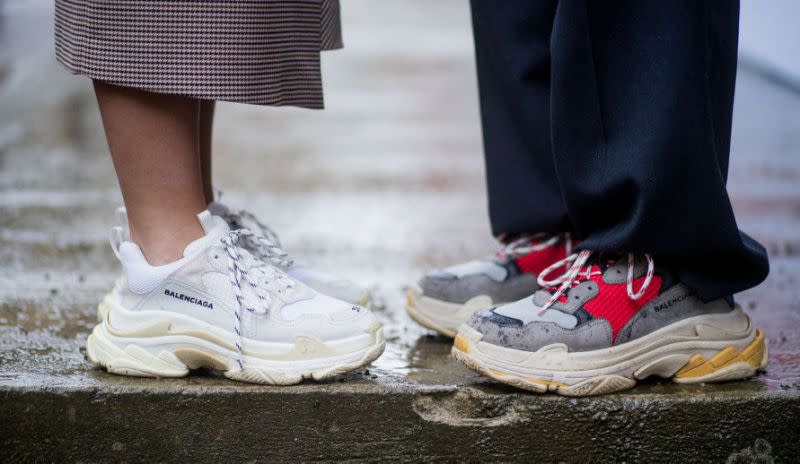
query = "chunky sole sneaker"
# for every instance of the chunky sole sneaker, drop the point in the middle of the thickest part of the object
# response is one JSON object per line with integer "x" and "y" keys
{"x": 709, "y": 348}
{"x": 157, "y": 350}
{"x": 592, "y": 332}
{"x": 223, "y": 308}
{"x": 444, "y": 299}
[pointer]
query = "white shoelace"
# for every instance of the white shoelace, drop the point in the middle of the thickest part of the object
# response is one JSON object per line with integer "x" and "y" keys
{"x": 532, "y": 243}
{"x": 266, "y": 244}
{"x": 253, "y": 275}
{"x": 566, "y": 280}
{"x": 238, "y": 218}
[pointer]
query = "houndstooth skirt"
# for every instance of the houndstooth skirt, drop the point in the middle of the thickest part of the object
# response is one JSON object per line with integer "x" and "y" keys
{"x": 264, "y": 52}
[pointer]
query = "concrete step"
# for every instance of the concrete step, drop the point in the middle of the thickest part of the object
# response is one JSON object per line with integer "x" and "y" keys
{"x": 414, "y": 404}
{"x": 209, "y": 421}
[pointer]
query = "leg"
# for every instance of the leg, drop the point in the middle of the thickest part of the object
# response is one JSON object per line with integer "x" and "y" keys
{"x": 153, "y": 143}
{"x": 640, "y": 112}
{"x": 642, "y": 99}
{"x": 206, "y": 123}
{"x": 512, "y": 53}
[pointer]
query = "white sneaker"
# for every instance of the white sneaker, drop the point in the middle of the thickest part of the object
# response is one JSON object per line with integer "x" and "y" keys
{"x": 322, "y": 282}
{"x": 222, "y": 307}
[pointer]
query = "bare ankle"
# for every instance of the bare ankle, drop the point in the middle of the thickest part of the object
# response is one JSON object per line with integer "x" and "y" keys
{"x": 164, "y": 242}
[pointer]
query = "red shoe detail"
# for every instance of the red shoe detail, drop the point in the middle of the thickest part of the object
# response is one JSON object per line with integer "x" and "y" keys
{"x": 613, "y": 304}
{"x": 536, "y": 261}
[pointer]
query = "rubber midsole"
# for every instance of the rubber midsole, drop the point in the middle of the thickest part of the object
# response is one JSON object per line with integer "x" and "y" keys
{"x": 176, "y": 343}
{"x": 672, "y": 345}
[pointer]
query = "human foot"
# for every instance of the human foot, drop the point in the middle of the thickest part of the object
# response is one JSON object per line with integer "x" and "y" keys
{"x": 604, "y": 325}
{"x": 223, "y": 307}
{"x": 444, "y": 299}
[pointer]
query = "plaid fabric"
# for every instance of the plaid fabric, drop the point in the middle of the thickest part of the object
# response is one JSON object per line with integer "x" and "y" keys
{"x": 264, "y": 52}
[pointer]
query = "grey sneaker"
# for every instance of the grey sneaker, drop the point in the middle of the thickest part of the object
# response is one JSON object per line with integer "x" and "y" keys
{"x": 589, "y": 332}
{"x": 444, "y": 299}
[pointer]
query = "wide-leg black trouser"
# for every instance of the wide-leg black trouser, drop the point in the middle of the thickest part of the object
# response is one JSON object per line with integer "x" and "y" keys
{"x": 612, "y": 120}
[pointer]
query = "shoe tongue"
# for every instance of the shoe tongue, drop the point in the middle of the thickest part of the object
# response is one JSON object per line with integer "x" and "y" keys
{"x": 215, "y": 228}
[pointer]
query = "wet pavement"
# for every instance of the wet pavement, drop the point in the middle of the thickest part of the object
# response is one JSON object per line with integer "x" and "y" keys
{"x": 385, "y": 183}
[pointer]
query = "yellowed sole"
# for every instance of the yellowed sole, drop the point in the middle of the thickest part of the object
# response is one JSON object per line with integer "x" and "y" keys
{"x": 698, "y": 368}
{"x": 728, "y": 364}
{"x": 176, "y": 357}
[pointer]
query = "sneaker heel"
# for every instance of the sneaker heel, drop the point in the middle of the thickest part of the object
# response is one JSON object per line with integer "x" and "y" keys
{"x": 727, "y": 364}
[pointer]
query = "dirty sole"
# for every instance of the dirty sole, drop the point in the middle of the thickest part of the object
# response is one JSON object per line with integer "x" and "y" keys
{"x": 710, "y": 348}
{"x": 176, "y": 355}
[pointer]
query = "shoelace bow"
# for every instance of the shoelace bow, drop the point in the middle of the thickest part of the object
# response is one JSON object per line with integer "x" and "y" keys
{"x": 254, "y": 275}
{"x": 579, "y": 272}
{"x": 531, "y": 243}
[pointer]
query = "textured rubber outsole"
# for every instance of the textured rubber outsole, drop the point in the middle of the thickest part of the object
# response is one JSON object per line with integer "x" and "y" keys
{"x": 727, "y": 364}
{"x": 275, "y": 377}
{"x": 134, "y": 360}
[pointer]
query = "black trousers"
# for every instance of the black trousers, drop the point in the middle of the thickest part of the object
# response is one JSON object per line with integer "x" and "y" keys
{"x": 613, "y": 120}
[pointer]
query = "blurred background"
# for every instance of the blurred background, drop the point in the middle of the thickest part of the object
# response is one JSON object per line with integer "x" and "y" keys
{"x": 385, "y": 183}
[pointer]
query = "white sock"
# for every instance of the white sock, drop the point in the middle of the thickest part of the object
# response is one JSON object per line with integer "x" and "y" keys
{"x": 143, "y": 277}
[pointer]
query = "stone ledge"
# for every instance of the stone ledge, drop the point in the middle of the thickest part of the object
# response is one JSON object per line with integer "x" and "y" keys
{"x": 414, "y": 403}
{"x": 206, "y": 419}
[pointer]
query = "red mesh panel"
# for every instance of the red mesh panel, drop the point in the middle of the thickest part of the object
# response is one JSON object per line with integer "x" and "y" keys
{"x": 535, "y": 262}
{"x": 613, "y": 304}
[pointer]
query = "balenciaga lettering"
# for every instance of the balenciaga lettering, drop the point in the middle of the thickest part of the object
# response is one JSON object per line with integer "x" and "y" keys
{"x": 670, "y": 303}
{"x": 190, "y": 299}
